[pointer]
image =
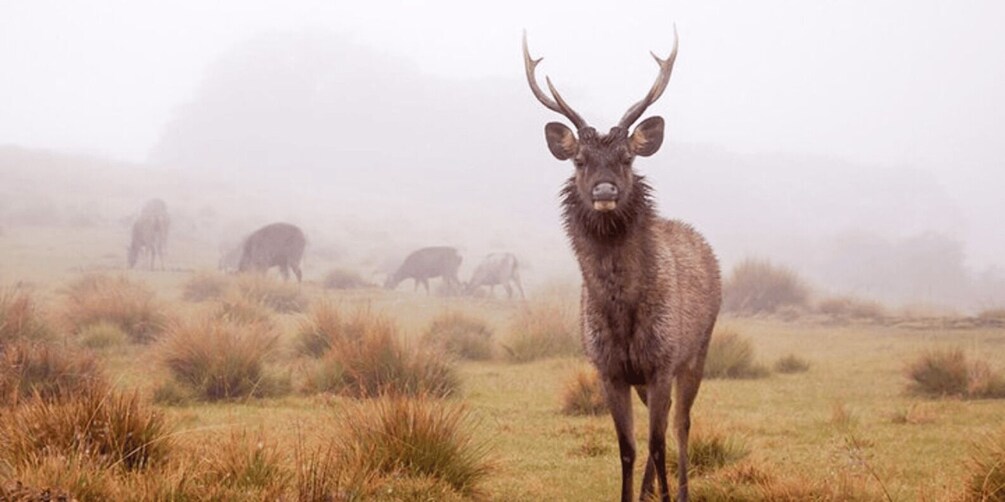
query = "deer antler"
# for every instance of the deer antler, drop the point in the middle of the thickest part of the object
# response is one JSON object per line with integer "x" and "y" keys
{"x": 557, "y": 104}
{"x": 666, "y": 67}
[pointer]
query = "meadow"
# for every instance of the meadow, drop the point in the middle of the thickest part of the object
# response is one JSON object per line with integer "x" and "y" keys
{"x": 489, "y": 398}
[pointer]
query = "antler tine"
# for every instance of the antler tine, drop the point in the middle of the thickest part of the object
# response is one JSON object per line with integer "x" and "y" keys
{"x": 666, "y": 68}
{"x": 557, "y": 104}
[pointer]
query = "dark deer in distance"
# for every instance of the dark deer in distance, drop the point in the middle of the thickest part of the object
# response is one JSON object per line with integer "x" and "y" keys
{"x": 651, "y": 289}
{"x": 274, "y": 245}
{"x": 149, "y": 233}
{"x": 428, "y": 263}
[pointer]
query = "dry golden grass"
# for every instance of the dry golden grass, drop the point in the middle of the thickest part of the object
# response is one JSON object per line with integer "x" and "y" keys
{"x": 221, "y": 360}
{"x": 730, "y": 355}
{"x": 947, "y": 372}
{"x": 416, "y": 437}
{"x": 205, "y": 285}
{"x": 709, "y": 450}
{"x": 47, "y": 371}
{"x": 117, "y": 300}
{"x": 791, "y": 363}
{"x": 239, "y": 309}
{"x": 282, "y": 297}
{"x": 986, "y": 469}
{"x": 316, "y": 332}
{"x": 96, "y": 423}
{"x": 20, "y": 318}
{"x": 341, "y": 278}
{"x": 460, "y": 335}
{"x": 851, "y": 308}
{"x": 369, "y": 358}
{"x": 583, "y": 393}
{"x": 758, "y": 286}
{"x": 102, "y": 335}
{"x": 546, "y": 328}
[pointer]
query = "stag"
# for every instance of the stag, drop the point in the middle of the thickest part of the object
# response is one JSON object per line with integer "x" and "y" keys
{"x": 651, "y": 289}
{"x": 496, "y": 268}
{"x": 428, "y": 263}
{"x": 275, "y": 245}
{"x": 149, "y": 234}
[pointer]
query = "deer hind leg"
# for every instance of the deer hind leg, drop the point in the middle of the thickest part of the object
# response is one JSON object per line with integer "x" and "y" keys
{"x": 619, "y": 402}
{"x": 284, "y": 270}
{"x": 297, "y": 272}
{"x": 687, "y": 382}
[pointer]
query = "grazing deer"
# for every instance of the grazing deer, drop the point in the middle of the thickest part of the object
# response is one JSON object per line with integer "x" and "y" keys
{"x": 496, "y": 268}
{"x": 651, "y": 288}
{"x": 149, "y": 233}
{"x": 274, "y": 245}
{"x": 428, "y": 263}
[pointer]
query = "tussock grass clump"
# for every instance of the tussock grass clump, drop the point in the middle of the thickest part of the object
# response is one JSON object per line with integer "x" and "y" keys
{"x": 583, "y": 394}
{"x": 205, "y": 285}
{"x": 461, "y": 335}
{"x": 947, "y": 372}
{"x": 20, "y": 318}
{"x": 108, "y": 428}
{"x": 730, "y": 355}
{"x": 986, "y": 469}
{"x": 368, "y": 358}
{"x": 341, "y": 278}
{"x": 102, "y": 335}
{"x": 317, "y": 331}
{"x": 283, "y": 297}
{"x": 59, "y": 478}
{"x": 117, "y": 300}
{"x": 239, "y": 309}
{"x": 847, "y": 307}
{"x": 791, "y": 363}
{"x": 758, "y": 286}
{"x": 416, "y": 437}
{"x": 219, "y": 359}
{"x": 709, "y": 450}
{"x": 49, "y": 372}
{"x": 544, "y": 329}
{"x": 250, "y": 463}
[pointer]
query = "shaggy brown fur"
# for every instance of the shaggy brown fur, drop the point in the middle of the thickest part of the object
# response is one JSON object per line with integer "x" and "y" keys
{"x": 651, "y": 287}
{"x": 275, "y": 245}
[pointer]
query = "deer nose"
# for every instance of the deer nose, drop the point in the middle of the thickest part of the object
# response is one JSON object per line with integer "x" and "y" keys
{"x": 605, "y": 191}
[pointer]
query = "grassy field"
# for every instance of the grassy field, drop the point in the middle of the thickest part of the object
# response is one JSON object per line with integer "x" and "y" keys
{"x": 846, "y": 423}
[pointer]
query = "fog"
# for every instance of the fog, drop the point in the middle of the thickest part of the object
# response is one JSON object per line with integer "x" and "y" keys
{"x": 857, "y": 142}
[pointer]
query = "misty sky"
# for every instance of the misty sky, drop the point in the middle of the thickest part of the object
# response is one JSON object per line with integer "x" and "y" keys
{"x": 881, "y": 83}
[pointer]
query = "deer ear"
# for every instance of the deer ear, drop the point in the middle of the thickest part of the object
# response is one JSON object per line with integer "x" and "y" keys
{"x": 561, "y": 141}
{"x": 647, "y": 137}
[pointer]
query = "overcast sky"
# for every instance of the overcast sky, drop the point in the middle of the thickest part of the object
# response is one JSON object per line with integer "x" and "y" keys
{"x": 883, "y": 83}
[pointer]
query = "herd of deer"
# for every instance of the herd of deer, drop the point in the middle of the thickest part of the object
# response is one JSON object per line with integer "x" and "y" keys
{"x": 651, "y": 288}
{"x": 282, "y": 245}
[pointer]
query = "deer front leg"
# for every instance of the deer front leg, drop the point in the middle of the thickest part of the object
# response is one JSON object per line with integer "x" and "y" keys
{"x": 618, "y": 397}
{"x": 658, "y": 400}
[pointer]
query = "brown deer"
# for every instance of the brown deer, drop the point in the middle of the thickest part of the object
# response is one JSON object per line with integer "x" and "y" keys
{"x": 651, "y": 288}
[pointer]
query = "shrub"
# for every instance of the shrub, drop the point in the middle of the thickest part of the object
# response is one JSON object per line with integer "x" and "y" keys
{"x": 117, "y": 300}
{"x": 708, "y": 451}
{"x": 544, "y": 329}
{"x": 282, "y": 297}
{"x": 102, "y": 335}
{"x": 758, "y": 286}
{"x": 417, "y": 437}
{"x": 340, "y": 278}
{"x": 106, "y": 427}
{"x": 986, "y": 469}
{"x": 791, "y": 363}
{"x": 460, "y": 335}
{"x": 992, "y": 317}
{"x": 316, "y": 332}
{"x": 28, "y": 369}
{"x": 731, "y": 356}
{"x": 220, "y": 360}
{"x": 20, "y": 318}
{"x": 846, "y": 307}
{"x": 939, "y": 373}
{"x": 983, "y": 382}
{"x": 583, "y": 394}
{"x": 368, "y": 358}
{"x": 205, "y": 286}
